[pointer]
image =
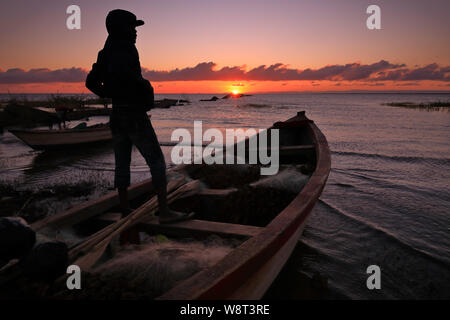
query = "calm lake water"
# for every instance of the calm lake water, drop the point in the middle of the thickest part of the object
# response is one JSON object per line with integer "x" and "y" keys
{"x": 387, "y": 200}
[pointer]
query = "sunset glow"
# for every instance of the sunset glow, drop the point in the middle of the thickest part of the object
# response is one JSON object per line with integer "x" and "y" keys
{"x": 194, "y": 56}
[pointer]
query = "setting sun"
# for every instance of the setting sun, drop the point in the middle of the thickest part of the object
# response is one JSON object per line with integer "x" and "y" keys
{"x": 235, "y": 92}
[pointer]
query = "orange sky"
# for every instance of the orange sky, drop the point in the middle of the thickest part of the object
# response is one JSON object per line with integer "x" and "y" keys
{"x": 214, "y": 87}
{"x": 247, "y": 34}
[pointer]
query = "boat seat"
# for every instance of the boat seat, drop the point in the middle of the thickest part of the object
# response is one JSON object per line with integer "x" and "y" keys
{"x": 297, "y": 148}
{"x": 199, "y": 227}
{"x": 217, "y": 193}
{"x": 190, "y": 227}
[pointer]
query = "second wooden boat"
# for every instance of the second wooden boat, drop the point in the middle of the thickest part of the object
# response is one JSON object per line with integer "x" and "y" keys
{"x": 52, "y": 139}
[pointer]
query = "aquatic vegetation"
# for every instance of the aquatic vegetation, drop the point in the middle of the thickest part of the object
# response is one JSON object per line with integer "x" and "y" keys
{"x": 429, "y": 106}
{"x": 35, "y": 204}
{"x": 254, "y": 105}
{"x": 52, "y": 100}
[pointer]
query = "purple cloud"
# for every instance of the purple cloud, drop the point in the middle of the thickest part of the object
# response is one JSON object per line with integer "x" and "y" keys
{"x": 42, "y": 75}
{"x": 379, "y": 71}
{"x": 430, "y": 72}
{"x": 202, "y": 71}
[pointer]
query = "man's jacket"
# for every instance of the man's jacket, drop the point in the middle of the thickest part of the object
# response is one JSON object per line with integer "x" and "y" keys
{"x": 117, "y": 75}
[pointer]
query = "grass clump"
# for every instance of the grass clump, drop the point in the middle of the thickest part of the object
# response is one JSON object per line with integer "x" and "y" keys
{"x": 429, "y": 106}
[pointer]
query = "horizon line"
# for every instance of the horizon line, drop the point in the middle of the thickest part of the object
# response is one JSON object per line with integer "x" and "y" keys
{"x": 265, "y": 92}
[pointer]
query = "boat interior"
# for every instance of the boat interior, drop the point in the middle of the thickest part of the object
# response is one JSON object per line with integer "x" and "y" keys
{"x": 233, "y": 203}
{"x": 229, "y": 194}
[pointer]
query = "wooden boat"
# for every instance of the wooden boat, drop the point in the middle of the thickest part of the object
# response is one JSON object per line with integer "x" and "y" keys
{"x": 51, "y": 139}
{"x": 267, "y": 221}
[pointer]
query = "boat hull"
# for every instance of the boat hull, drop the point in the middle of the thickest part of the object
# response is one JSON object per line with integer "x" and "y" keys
{"x": 52, "y": 139}
{"x": 249, "y": 270}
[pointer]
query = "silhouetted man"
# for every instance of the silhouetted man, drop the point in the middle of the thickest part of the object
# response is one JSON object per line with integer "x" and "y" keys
{"x": 117, "y": 74}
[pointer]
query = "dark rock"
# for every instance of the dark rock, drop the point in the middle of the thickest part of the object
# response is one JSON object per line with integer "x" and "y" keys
{"x": 16, "y": 238}
{"x": 47, "y": 261}
{"x": 234, "y": 96}
{"x": 212, "y": 99}
{"x": 165, "y": 103}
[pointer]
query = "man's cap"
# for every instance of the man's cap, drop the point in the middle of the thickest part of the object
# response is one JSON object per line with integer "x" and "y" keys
{"x": 119, "y": 19}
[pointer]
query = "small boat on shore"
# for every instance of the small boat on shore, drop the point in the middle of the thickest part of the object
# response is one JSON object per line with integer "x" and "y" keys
{"x": 264, "y": 215}
{"x": 51, "y": 139}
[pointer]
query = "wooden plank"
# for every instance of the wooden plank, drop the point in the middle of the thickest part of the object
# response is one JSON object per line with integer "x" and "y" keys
{"x": 88, "y": 252}
{"x": 294, "y": 149}
{"x": 110, "y": 217}
{"x": 297, "y": 150}
{"x": 90, "y": 208}
{"x": 217, "y": 192}
{"x": 297, "y": 147}
{"x": 193, "y": 227}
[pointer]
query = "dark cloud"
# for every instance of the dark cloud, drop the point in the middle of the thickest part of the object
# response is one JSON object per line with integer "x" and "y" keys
{"x": 202, "y": 71}
{"x": 42, "y": 75}
{"x": 360, "y": 72}
{"x": 430, "y": 72}
{"x": 275, "y": 72}
{"x": 408, "y": 84}
{"x": 379, "y": 71}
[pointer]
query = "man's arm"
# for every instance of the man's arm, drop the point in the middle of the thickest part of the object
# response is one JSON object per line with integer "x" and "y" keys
{"x": 124, "y": 72}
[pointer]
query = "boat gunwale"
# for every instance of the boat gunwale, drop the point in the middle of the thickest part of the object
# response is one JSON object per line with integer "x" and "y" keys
{"x": 25, "y": 135}
{"x": 63, "y": 131}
